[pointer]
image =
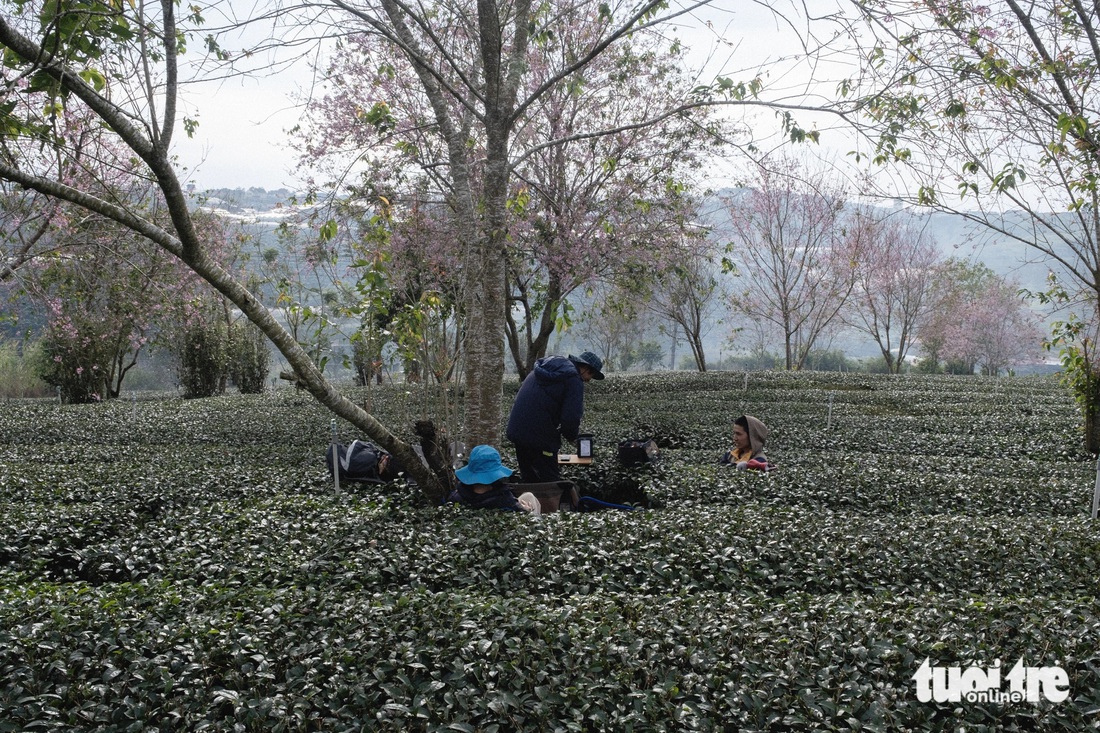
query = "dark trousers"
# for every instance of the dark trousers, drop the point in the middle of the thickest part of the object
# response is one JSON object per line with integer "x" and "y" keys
{"x": 537, "y": 466}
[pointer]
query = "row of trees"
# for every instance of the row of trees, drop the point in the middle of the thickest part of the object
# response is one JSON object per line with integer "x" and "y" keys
{"x": 808, "y": 262}
{"x": 800, "y": 264}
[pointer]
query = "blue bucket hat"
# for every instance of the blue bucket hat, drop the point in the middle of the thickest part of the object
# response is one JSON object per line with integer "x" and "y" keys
{"x": 484, "y": 467}
{"x": 591, "y": 361}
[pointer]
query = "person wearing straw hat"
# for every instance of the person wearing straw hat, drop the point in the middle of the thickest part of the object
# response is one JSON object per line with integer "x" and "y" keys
{"x": 548, "y": 408}
{"x": 482, "y": 484}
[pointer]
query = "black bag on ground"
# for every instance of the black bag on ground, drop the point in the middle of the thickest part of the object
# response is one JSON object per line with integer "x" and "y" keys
{"x": 360, "y": 461}
{"x": 638, "y": 452}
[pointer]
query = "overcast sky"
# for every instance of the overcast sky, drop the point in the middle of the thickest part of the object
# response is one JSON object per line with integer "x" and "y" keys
{"x": 241, "y": 140}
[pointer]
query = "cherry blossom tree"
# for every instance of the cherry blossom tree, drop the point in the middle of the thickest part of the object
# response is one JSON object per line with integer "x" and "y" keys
{"x": 600, "y": 207}
{"x": 787, "y": 250}
{"x": 896, "y": 272}
{"x": 993, "y": 330}
{"x": 106, "y": 291}
{"x": 580, "y": 199}
{"x": 101, "y": 306}
{"x": 978, "y": 320}
{"x": 958, "y": 282}
{"x": 405, "y": 287}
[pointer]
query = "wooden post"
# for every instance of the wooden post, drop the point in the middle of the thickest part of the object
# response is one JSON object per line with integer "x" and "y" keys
{"x": 1096, "y": 491}
{"x": 335, "y": 459}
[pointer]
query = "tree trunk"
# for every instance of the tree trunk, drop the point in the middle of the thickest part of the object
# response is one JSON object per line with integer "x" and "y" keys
{"x": 697, "y": 351}
{"x": 1092, "y": 429}
{"x": 534, "y": 347}
{"x": 487, "y": 295}
{"x": 888, "y": 358}
{"x": 1091, "y": 411}
{"x": 311, "y": 378}
{"x": 675, "y": 337}
{"x": 486, "y": 301}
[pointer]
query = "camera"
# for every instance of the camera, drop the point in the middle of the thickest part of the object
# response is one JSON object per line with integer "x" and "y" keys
{"x": 584, "y": 446}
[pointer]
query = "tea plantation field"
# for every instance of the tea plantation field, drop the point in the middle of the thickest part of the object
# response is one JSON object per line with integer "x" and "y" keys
{"x": 170, "y": 565}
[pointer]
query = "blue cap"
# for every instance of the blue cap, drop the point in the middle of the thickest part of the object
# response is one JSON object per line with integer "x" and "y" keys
{"x": 591, "y": 361}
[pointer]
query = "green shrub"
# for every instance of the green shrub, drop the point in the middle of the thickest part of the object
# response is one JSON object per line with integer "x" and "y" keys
{"x": 250, "y": 359}
{"x": 18, "y": 376}
{"x": 202, "y": 359}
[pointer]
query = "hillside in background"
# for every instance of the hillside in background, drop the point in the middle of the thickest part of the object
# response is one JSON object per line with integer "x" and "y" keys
{"x": 238, "y": 200}
{"x": 260, "y": 211}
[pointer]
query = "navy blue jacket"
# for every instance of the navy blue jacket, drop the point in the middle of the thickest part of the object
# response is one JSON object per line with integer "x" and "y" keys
{"x": 498, "y": 497}
{"x": 549, "y": 405}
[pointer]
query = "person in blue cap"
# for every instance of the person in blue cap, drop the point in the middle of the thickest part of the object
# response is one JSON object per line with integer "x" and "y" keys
{"x": 482, "y": 484}
{"x": 548, "y": 408}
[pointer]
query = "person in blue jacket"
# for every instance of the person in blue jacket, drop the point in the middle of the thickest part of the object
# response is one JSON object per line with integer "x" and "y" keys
{"x": 482, "y": 484}
{"x": 547, "y": 409}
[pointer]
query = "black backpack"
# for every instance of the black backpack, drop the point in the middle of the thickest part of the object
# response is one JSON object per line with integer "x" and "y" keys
{"x": 638, "y": 452}
{"x": 358, "y": 461}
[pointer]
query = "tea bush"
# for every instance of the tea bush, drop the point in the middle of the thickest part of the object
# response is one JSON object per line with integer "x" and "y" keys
{"x": 170, "y": 564}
